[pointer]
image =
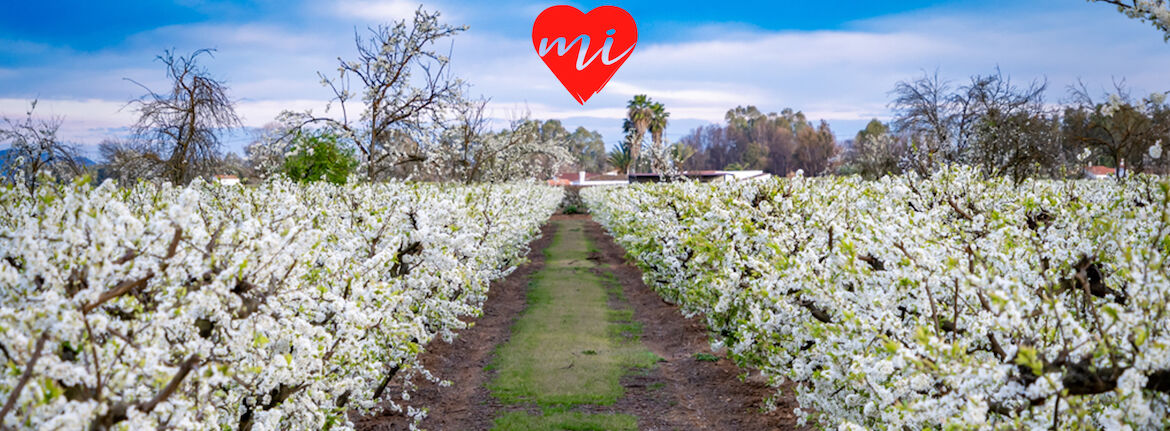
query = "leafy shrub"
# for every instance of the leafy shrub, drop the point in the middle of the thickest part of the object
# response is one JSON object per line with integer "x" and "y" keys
{"x": 319, "y": 156}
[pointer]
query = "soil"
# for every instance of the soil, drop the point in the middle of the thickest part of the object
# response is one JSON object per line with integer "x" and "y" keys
{"x": 681, "y": 393}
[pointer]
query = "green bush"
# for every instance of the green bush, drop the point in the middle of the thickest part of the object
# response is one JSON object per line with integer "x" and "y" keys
{"x": 319, "y": 156}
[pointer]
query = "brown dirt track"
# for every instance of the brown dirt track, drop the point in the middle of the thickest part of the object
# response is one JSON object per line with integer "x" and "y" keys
{"x": 681, "y": 393}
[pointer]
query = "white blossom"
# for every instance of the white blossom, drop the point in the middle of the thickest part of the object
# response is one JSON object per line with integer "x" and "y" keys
{"x": 289, "y": 304}
{"x": 881, "y": 299}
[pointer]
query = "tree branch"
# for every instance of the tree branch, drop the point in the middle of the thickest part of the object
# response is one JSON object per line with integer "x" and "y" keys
{"x": 184, "y": 369}
{"x": 24, "y": 377}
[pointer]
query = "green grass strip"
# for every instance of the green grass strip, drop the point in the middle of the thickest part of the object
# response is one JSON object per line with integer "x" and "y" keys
{"x": 569, "y": 347}
{"x": 571, "y": 421}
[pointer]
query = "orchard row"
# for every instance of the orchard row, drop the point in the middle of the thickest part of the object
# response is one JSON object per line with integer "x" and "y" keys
{"x": 282, "y": 306}
{"x": 910, "y": 303}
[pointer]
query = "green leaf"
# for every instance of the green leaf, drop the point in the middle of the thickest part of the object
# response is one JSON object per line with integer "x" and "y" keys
{"x": 1028, "y": 357}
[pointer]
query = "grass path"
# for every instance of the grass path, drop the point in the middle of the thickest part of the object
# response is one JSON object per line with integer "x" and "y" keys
{"x": 569, "y": 348}
{"x": 567, "y": 333}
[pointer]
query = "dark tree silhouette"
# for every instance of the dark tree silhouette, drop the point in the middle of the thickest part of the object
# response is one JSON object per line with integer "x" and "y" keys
{"x": 183, "y": 126}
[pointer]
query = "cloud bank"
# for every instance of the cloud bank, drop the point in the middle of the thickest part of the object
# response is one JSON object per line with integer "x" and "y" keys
{"x": 842, "y": 75}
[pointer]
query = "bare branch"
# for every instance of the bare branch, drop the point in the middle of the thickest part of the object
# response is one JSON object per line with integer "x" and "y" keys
{"x": 24, "y": 377}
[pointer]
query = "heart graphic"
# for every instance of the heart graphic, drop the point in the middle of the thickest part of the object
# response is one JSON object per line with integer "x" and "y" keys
{"x": 584, "y": 50}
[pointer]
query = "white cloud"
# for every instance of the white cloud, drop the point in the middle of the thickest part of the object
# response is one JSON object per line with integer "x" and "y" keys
{"x": 77, "y": 114}
{"x": 261, "y": 112}
{"x": 89, "y": 121}
{"x": 541, "y": 110}
{"x": 376, "y": 10}
{"x": 842, "y": 75}
{"x": 702, "y": 80}
{"x": 708, "y": 94}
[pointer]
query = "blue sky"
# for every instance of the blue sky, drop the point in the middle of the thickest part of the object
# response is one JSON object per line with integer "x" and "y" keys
{"x": 833, "y": 60}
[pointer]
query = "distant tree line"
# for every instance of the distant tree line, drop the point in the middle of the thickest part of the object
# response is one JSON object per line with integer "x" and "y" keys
{"x": 778, "y": 143}
{"x": 1005, "y": 129}
{"x": 35, "y": 151}
{"x": 1010, "y": 130}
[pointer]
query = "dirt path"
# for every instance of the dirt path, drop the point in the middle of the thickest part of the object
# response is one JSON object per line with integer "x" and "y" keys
{"x": 467, "y": 404}
{"x": 563, "y": 366}
{"x": 683, "y": 391}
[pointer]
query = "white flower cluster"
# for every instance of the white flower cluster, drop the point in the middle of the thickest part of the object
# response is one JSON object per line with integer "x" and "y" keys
{"x": 283, "y": 306}
{"x": 924, "y": 303}
{"x": 1156, "y": 12}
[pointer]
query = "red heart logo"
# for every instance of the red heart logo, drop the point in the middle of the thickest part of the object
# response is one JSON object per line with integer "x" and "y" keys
{"x": 584, "y": 50}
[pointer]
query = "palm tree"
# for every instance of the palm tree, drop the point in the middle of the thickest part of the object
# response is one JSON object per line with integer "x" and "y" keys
{"x": 639, "y": 113}
{"x": 657, "y": 127}
{"x": 658, "y": 123}
{"x": 620, "y": 157}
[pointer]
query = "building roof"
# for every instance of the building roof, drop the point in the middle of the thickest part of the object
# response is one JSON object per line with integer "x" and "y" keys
{"x": 575, "y": 178}
{"x": 1100, "y": 170}
{"x": 692, "y": 174}
{"x": 605, "y": 177}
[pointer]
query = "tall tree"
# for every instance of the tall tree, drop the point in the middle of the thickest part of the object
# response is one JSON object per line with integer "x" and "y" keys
{"x": 1121, "y": 128}
{"x": 778, "y": 143}
{"x": 815, "y": 149}
{"x": 35, "y": 149}
{"x": 619, "y": 157}
{"x": 639, "y": 115}
{"x": 709, "y": 146}
{"x": 588, "y": 147}
{"x": 405, "y": 86}
{"x": 657, "y": 126}
{"x": 925, "y": 112}
{"x": 658, "y": 120}
{"x": 874, "y": 152}
{"x": 183, "y": 126}
{"x": 1010, "y": 133}
{"x": 526, "y": 149}
{"x": 873, "y": 129}
{"x": 990, "y": 122}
